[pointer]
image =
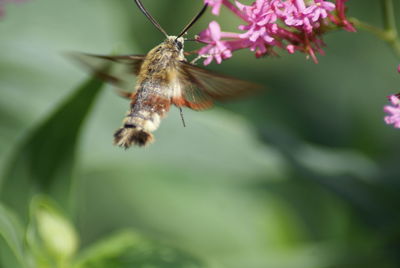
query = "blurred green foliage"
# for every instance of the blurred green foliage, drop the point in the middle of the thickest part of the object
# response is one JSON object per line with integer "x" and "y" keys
{"x": 304, "y": 174}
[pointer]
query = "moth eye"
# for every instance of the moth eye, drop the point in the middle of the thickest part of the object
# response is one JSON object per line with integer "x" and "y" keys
{"x": 179, "y": 45}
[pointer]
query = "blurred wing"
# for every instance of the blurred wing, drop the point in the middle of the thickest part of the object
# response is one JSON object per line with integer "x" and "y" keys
{"x": 202, "y": 87}
{"x": 117, "y": 70}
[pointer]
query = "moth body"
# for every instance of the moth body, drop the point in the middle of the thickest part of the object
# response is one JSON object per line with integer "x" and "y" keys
{"x": 156, "y": 87}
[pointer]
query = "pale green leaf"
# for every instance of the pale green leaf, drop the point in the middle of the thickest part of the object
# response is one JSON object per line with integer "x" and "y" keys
{"x": 12, "y": 233}
{"x": 129, "y": 249}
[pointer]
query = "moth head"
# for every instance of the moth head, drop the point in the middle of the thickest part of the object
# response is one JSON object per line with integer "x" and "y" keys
{"x": 176, "y": 42}
{"x": 179, "y": 43}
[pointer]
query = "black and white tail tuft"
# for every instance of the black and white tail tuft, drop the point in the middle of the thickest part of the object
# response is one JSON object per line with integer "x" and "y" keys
{"x": 126, "y": 136}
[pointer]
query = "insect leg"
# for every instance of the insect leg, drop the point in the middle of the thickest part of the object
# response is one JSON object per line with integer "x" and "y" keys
{"x": 183, "y": 119}
{"x": 200, "y": 57}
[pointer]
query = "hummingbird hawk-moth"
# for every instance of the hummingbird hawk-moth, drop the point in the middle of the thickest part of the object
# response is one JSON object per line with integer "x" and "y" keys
{"x": 164, "y": 78}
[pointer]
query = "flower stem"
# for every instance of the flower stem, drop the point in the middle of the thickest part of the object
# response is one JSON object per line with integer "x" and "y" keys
{"x": 389, "y": 34}
{"x": 388, "y": 15}
{"x": 234, "y": 9}
{"x": 389, "y": 19}
{"x": 380, "y": 33}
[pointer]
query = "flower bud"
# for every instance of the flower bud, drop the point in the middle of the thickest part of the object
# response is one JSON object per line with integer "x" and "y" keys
{"x": 52, "y": 231}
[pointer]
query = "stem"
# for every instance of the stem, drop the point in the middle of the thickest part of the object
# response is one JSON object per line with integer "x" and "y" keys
{"x": 389, "y": 20}
{"x": 380, "y": 33}
{"x": 234, "y": 9}
{"x": 389, "y": 34}
{"x": 388, "y": 15}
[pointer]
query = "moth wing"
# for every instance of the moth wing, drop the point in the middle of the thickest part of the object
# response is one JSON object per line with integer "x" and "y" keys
{"x": 117, "y": 70}
{"x": 192, "y": 97}
{"x": 201, "y": 87}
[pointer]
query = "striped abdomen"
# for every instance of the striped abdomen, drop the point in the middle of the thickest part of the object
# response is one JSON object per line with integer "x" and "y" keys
{"x": 148, "y": 107}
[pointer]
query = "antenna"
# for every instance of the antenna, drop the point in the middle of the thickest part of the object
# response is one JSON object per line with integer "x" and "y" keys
{"x": 193, "y": 21}
{"x": 145, "y": 12}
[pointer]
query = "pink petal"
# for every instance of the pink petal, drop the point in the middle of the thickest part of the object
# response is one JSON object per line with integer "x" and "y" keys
{"x": 215, "y": 31}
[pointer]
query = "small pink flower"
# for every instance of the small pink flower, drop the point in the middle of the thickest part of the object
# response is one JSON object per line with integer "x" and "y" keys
{"x": 215, "y": 4}
{"x": 291, "y": 48}
{"x": 296, "y": 13}
{"x": 341, "y": 19}
{"x": 217, "y": 49}
{"x": 261, "y": 25}
{"x": 394, "y": 111}
{"x": 261, "y": 21}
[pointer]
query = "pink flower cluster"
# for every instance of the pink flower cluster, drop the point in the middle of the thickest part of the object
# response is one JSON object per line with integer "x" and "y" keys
{"x": 294, "y": 25}
{"x": 394, "y": 111}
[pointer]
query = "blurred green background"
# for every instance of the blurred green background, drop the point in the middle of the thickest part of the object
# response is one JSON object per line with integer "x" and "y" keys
{"x": 305, "y": 174}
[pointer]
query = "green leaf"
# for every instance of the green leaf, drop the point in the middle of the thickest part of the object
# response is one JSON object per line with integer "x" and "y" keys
{"x": 11, "y": 232}
{"x": 51, "y": 236}
{"x": 44, "y": 160}
{"x": 129, "y": 249}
